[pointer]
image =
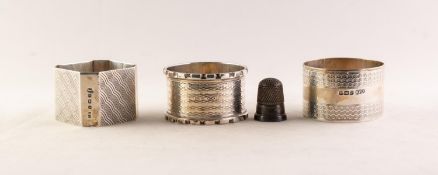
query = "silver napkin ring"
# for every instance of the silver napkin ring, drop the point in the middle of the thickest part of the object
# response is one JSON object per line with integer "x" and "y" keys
{"x": 343, "y": 89}
{"x": 206, "y": 93}
{"x": 95, "y": 93}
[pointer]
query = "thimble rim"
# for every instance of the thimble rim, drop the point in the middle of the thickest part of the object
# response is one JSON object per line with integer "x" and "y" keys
{"x": 205, "y": 71}
{"x": 95, "y": 66}
{"x": 344, "y": 64}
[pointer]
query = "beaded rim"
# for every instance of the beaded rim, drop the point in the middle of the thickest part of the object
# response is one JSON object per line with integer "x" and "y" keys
{"x": 226, "y": 120}
{"x": 205, "y": 76}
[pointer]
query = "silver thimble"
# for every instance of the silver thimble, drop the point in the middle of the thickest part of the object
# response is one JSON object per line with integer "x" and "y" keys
{"x": 95, "y": 93}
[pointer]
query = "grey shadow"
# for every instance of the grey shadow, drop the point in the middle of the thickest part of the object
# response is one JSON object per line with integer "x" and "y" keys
{"x": 151, "y": 117}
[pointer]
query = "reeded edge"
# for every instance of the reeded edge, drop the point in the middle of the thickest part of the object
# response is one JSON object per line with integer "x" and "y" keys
{"x": 382, "y": 65}
{"x": 200, "y": 76}
{"x": 225, "y": 120}
{"x": 130, "y": 66}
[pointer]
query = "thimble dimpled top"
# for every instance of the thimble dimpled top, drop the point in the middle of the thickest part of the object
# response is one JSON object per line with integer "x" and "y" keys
{"x": 270, "y": 92}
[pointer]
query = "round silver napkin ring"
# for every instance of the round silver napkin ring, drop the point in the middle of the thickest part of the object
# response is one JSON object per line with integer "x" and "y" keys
{"x": 206, "y": 93}
{"x": 343, "y": 89}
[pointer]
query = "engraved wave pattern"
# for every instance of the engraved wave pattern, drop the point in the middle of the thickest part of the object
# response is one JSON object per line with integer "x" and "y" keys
{"x": 67, "y": 97}
{"x": 117, "y": 96}
{"x": 206, "y": 100}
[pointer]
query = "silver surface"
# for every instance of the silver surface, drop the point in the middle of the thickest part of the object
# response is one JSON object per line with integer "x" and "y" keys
{"x": 206, "y": 93}
{"x": 343, "y": 89}
{"x": 95, "y": 93}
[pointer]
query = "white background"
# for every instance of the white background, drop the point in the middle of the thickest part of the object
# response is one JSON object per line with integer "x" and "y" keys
{"x": 273, "y": 38}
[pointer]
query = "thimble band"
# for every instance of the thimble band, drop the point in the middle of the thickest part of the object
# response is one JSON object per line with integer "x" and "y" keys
{"x": 343, "y": 89}
{"x": 95, "y": 93}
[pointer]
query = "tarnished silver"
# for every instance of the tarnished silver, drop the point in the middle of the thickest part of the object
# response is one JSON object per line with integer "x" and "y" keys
{"x": 95, "y": 93}
{"x": 343, "y": 89}
{"x": 206, "y": 93}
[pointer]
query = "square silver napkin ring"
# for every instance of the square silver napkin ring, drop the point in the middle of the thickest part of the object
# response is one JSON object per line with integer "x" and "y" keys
{"x": 95, "y": 93}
